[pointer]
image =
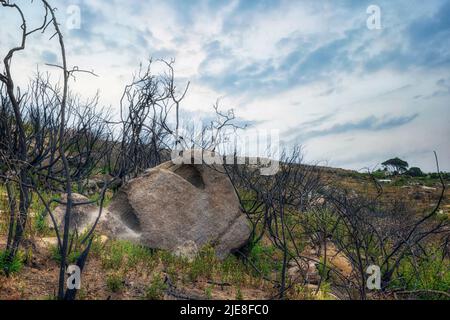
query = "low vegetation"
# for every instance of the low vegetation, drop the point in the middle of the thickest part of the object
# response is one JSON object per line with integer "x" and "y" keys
{"x": 122, "y": 270}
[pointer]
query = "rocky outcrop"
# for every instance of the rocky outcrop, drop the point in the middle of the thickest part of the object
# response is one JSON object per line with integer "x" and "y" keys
{"x": 180, "y": 208}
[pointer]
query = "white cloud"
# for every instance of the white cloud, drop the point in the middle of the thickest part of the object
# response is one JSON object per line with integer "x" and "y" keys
{"x": 115, "y": 38}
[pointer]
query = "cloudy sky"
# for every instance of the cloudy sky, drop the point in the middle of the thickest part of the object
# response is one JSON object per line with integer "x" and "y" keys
{"x": 352, "y": 96}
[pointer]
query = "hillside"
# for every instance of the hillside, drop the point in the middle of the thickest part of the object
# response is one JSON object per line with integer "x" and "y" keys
{"x": 118, "y": 269}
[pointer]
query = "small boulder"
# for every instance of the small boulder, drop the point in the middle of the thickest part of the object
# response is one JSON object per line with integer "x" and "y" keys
{"x": 82, "y": 216}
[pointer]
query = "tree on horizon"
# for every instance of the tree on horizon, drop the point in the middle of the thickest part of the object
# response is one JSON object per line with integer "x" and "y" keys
{"x": 396, "y": 165}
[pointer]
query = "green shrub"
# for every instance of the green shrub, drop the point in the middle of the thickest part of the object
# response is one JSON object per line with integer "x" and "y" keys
{"x": 156, "y": 289}
{"x": 262, "y": 258}
{"x": 138, "y": 254}
{"x": 415, "y": 172}
{"x": 56, "y": 254}
{"x": 324, "y": 268}
{"x": 400, "y": 182}
{"x": 114, "y": 282}
{"x": 428, "y": 274}
{"x": 208, "y": 293}
{"x": 379, "y": 174}
{"x": 40, "y": 224}
{"x": 13, "y": 266}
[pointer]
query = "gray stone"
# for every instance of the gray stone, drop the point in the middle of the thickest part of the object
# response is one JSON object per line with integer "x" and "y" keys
{"x": 81, "y": 218}
{"x": 178, "y": 208}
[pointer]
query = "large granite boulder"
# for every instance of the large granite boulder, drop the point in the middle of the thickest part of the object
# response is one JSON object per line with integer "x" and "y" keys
{"x": 181, "y": 208}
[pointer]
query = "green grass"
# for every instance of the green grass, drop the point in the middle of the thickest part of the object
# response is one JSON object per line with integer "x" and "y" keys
{"x": 115, "y": 282}
{"x": 208, "y": 292}
{"x": 126, "y": 255}
{"x": 156, "y": 289}
{"x": 239, "y": 295}
{"x": 202, "y": 265}
{"x": 233, "y": 271}
{"x": 300, "y": 292}
{"x": 399, "y": 182}
{"x": 122, "y": 256}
